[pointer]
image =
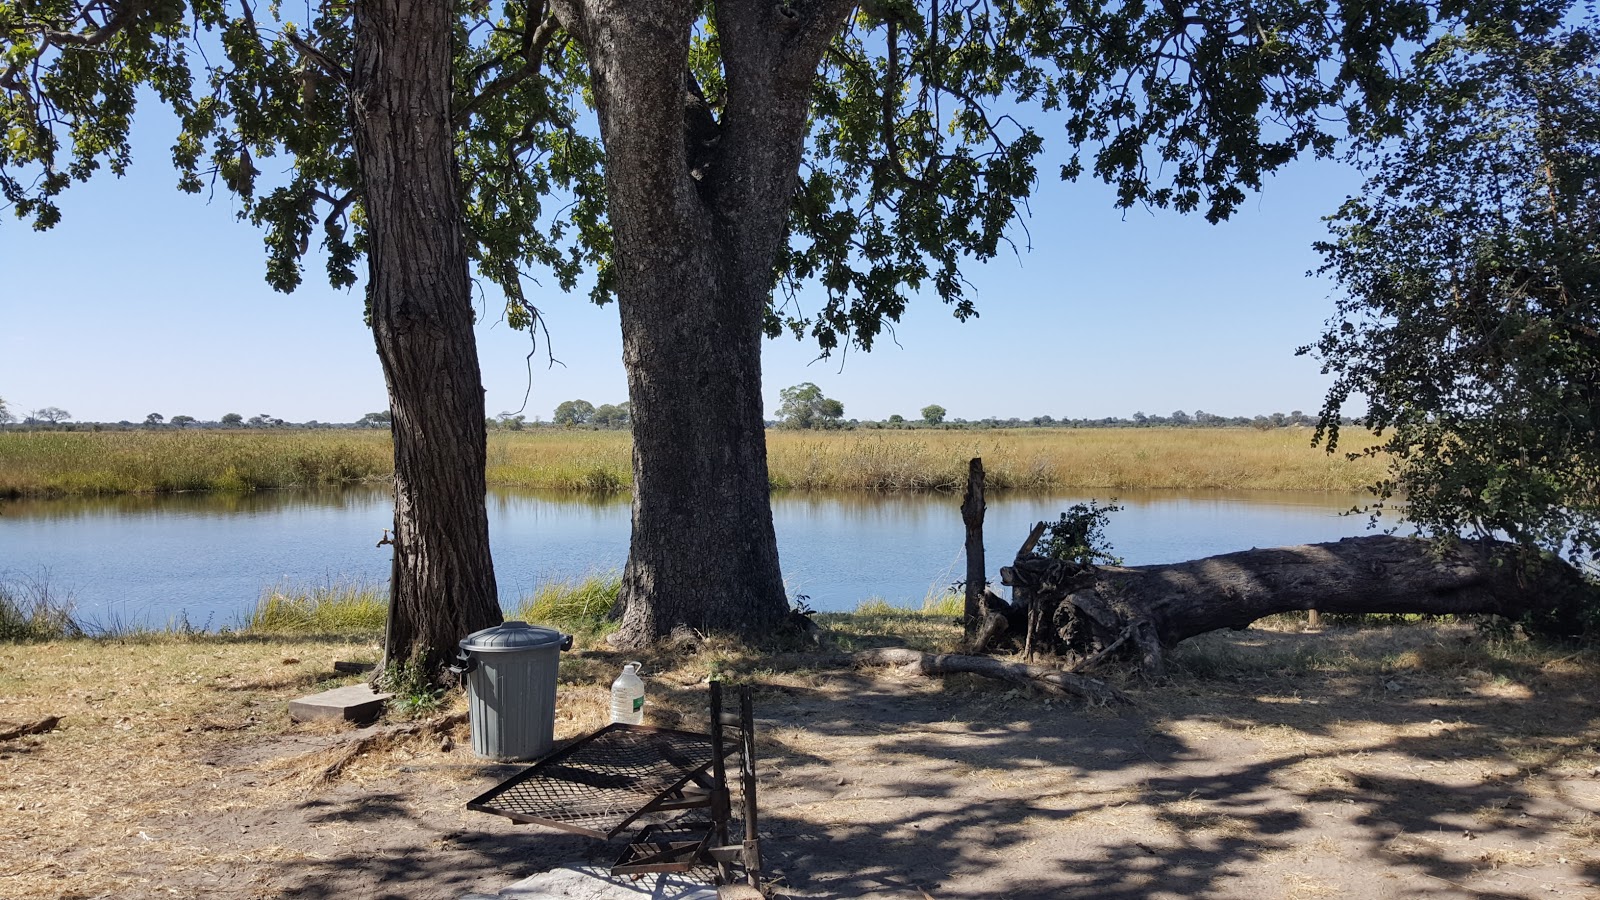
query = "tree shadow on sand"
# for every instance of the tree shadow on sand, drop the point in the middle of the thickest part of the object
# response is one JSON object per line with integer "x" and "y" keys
{"x": 1244, "y": 782}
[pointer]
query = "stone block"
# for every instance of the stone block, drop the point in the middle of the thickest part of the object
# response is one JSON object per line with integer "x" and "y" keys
{"x": 352, "y": 703}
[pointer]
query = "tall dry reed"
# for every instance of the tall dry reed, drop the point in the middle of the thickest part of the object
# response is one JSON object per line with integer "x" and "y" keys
{"x": 1014, "y": 459}
{"x": 1112, "y": 459}
{"x": 59, "y": 463}
{"x": 1061, "y": 458}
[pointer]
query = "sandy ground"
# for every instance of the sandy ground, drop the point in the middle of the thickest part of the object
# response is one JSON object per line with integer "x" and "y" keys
{"x": 1439, "y": 780}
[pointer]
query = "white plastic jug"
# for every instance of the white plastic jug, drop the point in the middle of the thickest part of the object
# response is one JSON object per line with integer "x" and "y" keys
{"x": 627, "y": 696}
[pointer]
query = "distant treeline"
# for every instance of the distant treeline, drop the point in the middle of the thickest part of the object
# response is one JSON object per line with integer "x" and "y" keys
{"x": 192, "y": 425}
{"x": 1198, "y": 419}
{"x": 607, "y": 420}
{"x": 1179, "y": 419}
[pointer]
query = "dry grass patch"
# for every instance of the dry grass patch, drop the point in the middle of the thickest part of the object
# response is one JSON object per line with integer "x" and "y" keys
{"x": 1063, "y": 458}
{"x": 600, "y": 462}
{"x": 1299, "y": 886}
{"x": 137, "y": 719}
{"x": 48, "y": 464}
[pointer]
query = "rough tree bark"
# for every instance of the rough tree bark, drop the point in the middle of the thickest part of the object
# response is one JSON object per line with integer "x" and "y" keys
{"x": 419, "y": 300}
{"x": 698, "y": 208}
{"x": 1156, "y": 607}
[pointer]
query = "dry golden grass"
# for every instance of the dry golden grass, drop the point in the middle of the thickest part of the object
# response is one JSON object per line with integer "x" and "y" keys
{"x": 1115, "y": 459}
{"x": 1019, "y": 459}
{"x": 138, "y": 717}
{"x": 1064, "y": 458}
{"x": 62, "y": 463}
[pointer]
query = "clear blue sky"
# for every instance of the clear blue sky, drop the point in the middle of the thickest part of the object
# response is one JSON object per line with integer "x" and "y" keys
{"x": 147, "y": 300}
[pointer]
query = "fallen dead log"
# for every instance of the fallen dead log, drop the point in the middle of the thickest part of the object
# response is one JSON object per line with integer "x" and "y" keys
{"x": 1159, "y": 606}
{"x": 1054, "y": 681}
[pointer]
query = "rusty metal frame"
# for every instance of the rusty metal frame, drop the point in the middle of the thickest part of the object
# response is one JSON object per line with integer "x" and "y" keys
{"x": 601, "y": 784}
{"x": 662, "y": 849}
{"x": 583, "y": 788}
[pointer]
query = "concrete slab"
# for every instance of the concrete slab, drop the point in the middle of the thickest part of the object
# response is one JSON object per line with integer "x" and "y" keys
{"x": 588, "y": 882}
{"x": 351, "y": 703}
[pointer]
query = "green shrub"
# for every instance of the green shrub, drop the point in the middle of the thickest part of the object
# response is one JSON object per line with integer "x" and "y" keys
{"x": 1079, "y": 536}
{"x": 578, "y": 606}
{"x": 327, "y": 609}
{"x": 416, "y": 694}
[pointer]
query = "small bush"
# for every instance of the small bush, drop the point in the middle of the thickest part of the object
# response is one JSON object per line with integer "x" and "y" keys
{"x": 935, "y": 605}
{"x": 877, "y": 606}
{"x": 31, "y": 611}
{"x": 328, "y": 609}
{"x": 579, "y": 606}
{"x": 1079, "y": 536}
{"x": 416, "y": 694}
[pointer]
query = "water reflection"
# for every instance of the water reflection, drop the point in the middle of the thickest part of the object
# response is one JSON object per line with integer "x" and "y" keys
{"x": 208, "y": 556}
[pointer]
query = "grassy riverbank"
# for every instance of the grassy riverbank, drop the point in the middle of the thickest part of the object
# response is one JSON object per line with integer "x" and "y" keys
{"x": 32, "y": 610}
{"x": 59, "y": 463}
{"x": 46, "y": 464}
{"x": 578, "y": 606}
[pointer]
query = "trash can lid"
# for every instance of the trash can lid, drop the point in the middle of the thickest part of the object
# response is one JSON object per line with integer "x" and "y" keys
{"x": 512, "y": 636}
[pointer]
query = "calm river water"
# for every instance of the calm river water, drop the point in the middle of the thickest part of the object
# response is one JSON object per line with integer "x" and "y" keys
{"x": 207, "y": 558}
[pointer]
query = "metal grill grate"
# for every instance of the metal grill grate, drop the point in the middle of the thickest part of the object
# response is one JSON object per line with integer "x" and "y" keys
{"x": 600, "y": 784}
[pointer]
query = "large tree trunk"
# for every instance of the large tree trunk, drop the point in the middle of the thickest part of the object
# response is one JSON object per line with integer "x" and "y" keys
{"x": 1155, "y": 607}
{"x": 698, "y": 207}
{"x": 703, "y": 552}
{"x": 421, "y": 310}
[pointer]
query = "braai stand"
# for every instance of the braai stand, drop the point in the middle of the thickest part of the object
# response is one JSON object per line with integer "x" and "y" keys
{"x": 601, "y": 784}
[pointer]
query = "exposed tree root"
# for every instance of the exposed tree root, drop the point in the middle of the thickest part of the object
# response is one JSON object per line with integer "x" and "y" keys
{"x": 1055, "y": 681}
{"x": 10, "y": 731}
{"x": 385, "y": 737}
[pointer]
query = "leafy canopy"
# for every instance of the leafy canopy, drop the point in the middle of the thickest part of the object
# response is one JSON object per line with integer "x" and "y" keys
{"x": 929, "y": 121}
{"x": 613, "y": 415}
{"x": 804, "y": 406}
{"x": 573, "y": 412}
{"x": 1470, "y": 267}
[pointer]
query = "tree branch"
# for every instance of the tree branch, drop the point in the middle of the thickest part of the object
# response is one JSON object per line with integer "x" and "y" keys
{"x": 60, "y": 39}
{"x": 323, "y": 61}
{"x": 534, "y": 42}
{"x": 122, "y": 14}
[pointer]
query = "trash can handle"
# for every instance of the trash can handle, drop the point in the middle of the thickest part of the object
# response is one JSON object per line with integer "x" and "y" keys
{"x": 566, "y": 642}
{"x": 465, "y": 662}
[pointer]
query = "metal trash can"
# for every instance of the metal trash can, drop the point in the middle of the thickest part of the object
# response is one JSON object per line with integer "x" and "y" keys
{"x": 511, "y": 688}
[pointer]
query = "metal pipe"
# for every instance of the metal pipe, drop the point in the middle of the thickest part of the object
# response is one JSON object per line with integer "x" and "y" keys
{"x": 747, "y": 787}
{"x": 719, "y": 780}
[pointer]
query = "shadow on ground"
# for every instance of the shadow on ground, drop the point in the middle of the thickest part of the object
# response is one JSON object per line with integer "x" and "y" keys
{"x": 1249, "y": 782}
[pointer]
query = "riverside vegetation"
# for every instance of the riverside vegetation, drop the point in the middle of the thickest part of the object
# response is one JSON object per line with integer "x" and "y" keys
{"x": 33, "y": 610}
{"x": 49, "y": 464}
